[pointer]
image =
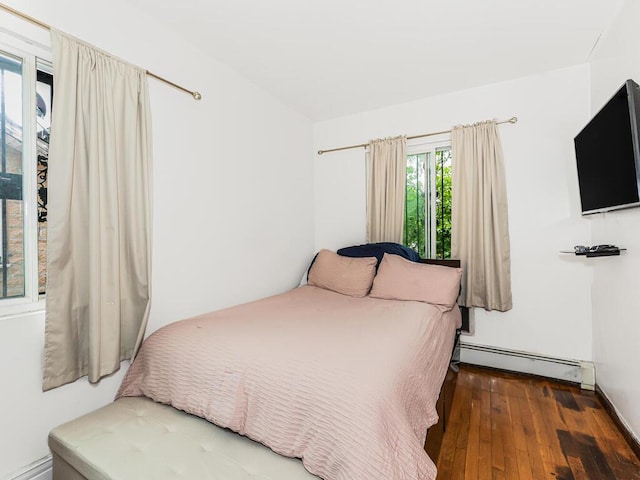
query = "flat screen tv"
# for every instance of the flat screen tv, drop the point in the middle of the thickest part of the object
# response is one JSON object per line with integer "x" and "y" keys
{"x": 608, "y": 154}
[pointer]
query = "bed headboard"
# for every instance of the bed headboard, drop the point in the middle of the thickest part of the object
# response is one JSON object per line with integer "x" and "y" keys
{"x": 450, "y": 262}
{"x": 447, "y": 262}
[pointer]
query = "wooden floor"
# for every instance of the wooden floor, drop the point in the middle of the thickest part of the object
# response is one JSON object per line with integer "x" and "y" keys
{"x": 508, "y": 427}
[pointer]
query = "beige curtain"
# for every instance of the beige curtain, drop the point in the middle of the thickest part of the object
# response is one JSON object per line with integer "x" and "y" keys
{"x": 386, "y": 189}
{"x": 99, "y": 204}
{"x": 480, "y": 225}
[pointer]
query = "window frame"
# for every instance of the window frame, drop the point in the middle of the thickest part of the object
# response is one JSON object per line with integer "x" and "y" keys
{"x": 34, "y": 57}
{"x": 429, "y": 147}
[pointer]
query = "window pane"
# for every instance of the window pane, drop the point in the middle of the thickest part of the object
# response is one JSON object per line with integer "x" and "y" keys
{"x": 443, "y": 203}
{"x": 44, "y": 100}
{"x": 11, "y": 205}
{"x": 414, "y": 217}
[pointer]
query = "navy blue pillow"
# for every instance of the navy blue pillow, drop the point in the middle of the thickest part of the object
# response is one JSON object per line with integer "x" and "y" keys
{"x": 378, "y": 250}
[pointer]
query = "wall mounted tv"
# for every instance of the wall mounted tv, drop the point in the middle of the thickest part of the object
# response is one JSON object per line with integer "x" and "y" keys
{"x": 608, "y": 154}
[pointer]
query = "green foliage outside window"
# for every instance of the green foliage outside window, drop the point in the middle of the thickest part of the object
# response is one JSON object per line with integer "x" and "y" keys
{"x": 418, "y": 213}
{"x": 414, "y": 217}
{"x": 443, "y": 204}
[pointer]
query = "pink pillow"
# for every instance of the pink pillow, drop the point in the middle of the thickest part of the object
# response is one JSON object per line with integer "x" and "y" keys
{"x": 346, "y": 275}
{"x": 401, "y": 279}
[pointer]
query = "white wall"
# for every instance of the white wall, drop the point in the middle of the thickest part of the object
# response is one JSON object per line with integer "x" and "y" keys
{"x": 551, "y": 312}
{"x": 616, "y": 284}
{"x": 233, "y": 205}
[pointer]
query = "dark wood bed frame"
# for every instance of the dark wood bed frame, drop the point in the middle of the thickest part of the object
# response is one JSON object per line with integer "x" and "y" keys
{"x": 435, "y": 434}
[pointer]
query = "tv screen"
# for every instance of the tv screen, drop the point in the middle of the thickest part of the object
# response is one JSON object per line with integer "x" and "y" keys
{"x": 608, "y": 152}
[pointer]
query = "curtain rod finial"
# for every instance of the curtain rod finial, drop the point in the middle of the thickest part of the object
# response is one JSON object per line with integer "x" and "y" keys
{"x": 513, "y": 119}
{"x": 197, "y": 95}
{"x": 320, "y": 152}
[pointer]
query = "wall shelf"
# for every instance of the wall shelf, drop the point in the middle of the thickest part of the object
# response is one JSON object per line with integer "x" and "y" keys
{"x": 604, "y": 253}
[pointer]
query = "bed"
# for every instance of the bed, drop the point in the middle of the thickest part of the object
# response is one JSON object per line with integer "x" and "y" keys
{"x": 343, "y": 373}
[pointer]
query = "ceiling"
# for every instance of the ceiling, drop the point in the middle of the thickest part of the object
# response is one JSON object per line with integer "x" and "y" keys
{"x": 328, "y": 58}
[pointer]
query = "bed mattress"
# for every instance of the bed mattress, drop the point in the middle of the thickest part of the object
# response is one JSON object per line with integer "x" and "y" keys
{"x": 136, "y": 438}
{"x": 311, "y": 374}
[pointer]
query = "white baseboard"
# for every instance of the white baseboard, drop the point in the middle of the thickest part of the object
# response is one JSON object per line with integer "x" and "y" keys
{"x": 531, "y": 363}
{"x": 618, "y": 417}
{"x": 38, "y": 470}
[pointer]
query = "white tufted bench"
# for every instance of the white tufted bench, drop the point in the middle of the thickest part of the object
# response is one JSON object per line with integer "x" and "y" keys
{"x": 135, "y": 438}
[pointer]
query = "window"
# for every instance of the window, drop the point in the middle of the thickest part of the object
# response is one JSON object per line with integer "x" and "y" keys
{"x": 26, "y": 94}
{"x": 427, "y": 221}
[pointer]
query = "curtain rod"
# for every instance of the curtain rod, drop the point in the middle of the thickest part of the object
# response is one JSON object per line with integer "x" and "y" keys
{"x": 422, "y": 135}
{"x": 24, "y": 16}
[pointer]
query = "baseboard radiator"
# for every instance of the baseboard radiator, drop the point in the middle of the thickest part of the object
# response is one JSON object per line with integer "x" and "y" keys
{"x": 38, "y": 470}
{"x": 574, "y": 371}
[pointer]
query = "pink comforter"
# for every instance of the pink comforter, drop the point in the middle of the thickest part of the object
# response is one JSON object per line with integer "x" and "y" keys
{"x": 349, "y": 385}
